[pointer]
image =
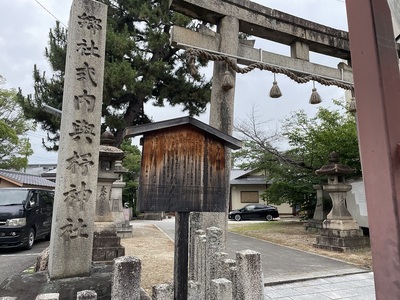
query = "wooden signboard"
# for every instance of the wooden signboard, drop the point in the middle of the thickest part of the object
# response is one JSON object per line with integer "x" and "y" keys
{"x": 183, "y": 165}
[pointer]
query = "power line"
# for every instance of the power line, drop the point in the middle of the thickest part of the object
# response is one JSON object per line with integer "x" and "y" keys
{"x": 51, "y": 14}
{"x": 41, "y": 157}
{"x": 36, "y": 134}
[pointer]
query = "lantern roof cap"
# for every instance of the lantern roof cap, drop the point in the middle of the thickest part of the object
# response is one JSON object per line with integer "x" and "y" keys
{"x": 107, "y": 138}
{"x": 334, "y": 168}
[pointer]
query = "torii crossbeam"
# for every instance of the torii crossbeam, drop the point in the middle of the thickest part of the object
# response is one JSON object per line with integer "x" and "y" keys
{"x": 256, "y": 20}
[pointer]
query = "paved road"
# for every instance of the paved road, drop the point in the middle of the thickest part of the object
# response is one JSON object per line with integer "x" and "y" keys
{"x": 14, "y": 261}
{"x": 280, "y": 264}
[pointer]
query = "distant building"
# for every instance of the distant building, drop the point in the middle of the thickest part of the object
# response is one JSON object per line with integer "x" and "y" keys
{"x": 50, "y": 175}
{"x": 246, "y": 187}
{"x": 19, "y": 179}
{"x": 39, "y": 169}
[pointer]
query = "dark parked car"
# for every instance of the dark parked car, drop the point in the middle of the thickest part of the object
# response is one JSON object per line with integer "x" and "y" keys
{"x": 25, "y": 215}
{"x": 254, "y": 212}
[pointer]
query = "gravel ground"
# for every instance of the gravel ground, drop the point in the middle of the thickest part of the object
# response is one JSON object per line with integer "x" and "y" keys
{"x": 156, "y": 252}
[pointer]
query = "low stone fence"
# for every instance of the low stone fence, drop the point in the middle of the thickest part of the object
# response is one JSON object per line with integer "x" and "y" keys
{"x": 212, "y": 275}
{"x": 215, "y": 277}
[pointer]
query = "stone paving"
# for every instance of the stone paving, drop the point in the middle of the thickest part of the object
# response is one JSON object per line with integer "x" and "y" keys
{"x": 346, "y": 287}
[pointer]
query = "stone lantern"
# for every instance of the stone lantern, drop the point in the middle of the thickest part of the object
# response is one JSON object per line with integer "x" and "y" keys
{"x": 106, "y": 243}
{"x": 339, "y": 231}
{"x": 121, "y": 215}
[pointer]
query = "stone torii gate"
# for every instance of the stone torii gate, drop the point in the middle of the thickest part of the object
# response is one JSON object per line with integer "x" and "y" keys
{"x": 376, "y": 76}
{"x": 234, "y": 16}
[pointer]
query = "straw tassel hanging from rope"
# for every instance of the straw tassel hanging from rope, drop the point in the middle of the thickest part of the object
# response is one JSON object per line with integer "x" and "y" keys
{"x": 275, "y": 91}
{"x": 315, "y": 97}
{"x": 227, "y": 80}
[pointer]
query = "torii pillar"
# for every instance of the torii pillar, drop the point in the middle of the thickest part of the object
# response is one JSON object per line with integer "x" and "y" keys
{"x": 222, "y": 104}
{"x": 377, "y": 85}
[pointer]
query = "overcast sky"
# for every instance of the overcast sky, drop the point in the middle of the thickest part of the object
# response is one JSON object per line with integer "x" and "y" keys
{"x": 24, "y": 28}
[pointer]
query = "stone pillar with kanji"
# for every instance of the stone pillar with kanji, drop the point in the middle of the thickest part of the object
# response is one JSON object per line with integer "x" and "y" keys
{"x": 75, "y": 195}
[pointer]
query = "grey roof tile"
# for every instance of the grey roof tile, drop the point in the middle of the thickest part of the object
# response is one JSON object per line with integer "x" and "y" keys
{"x": 26, "y": 179}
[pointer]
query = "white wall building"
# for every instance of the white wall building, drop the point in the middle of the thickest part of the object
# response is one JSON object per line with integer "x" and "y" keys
{"x": 247, "y": 187}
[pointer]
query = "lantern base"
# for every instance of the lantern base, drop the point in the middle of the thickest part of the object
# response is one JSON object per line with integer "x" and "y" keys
{"x": 344, "y": 224}
{"x": 106, "y": 243}
{"x": 341, "y": 240}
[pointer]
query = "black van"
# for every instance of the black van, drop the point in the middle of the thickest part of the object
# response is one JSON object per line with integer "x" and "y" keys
{"x": 25, "y": 215}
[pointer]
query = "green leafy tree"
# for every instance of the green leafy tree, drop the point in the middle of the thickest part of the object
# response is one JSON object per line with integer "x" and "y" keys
{"x": 132, "y": 163}
{"x": 140, "y": 67}
{"x": 310, "y": 140}
{"x": 14, "y": 148}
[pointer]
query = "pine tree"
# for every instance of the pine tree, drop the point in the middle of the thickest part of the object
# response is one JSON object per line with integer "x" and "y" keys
{"x": 140, "y": 67}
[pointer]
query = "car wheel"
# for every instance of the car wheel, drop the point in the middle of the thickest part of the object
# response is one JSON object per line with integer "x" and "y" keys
{"x": 238, "y": 217}
{"x": 269, "y": 217}
{"x": 31, "y": 239}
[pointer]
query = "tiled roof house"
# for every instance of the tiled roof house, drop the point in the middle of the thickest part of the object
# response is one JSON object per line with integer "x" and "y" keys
{"x": 247, "y": 187}
{"x": 19, "y": 179}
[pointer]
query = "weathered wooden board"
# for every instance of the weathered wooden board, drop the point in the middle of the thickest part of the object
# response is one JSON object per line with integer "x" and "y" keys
{"x": 182, "y": 170}
{"x": 183, "y": 166}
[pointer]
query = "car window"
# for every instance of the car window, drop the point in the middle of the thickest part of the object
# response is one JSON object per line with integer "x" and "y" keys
{"x": 250, "y": 207}
{"x": 12, "y": 196}
{"x": 33, "y": 199}
{"x": 47, "y": 198}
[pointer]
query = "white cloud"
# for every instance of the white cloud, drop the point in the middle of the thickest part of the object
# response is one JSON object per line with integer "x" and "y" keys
{"x": 24, "y": 27}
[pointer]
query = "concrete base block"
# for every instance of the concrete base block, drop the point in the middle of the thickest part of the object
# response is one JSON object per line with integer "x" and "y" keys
{"x": 342, "y": 233}
{"x": 341, "y": 240}
{"x": 124, "y": 231}
{"x": 125, "y": 235}
{"x": 105, "y": 227}
{"x": 313, "y": 224}
{"x": 345, "y": 224}
{"x": 106, "y": 247}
